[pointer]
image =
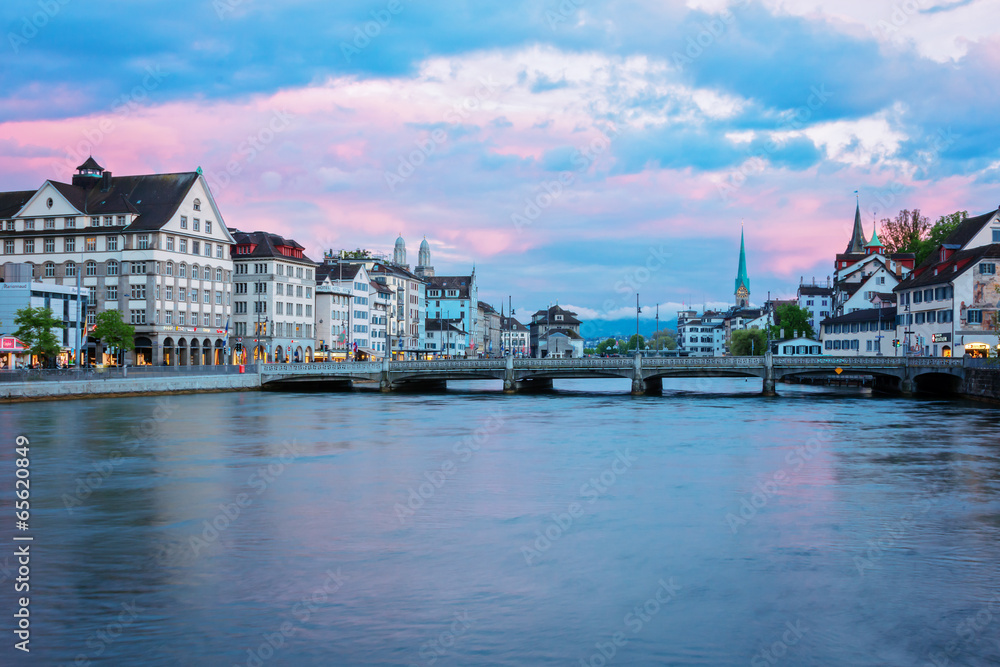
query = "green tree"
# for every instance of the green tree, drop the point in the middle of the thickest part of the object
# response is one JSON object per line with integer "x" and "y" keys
{"x": 938, "y": 232}
{"x": 631, "y": 345}
{"x": 665, "y": 339}
{"x": 748, "y": 342}
{"x": 792, "y": 319}
{"x": 35, "y": 327}
{"x": 605, "y": 347}
{"x": 905, "y": 232}
{"x": 590, "y": 350}
{"x": 112, "y": 331}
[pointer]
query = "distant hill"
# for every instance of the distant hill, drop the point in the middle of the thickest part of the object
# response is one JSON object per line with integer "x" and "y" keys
{"x": 623, "y": 328}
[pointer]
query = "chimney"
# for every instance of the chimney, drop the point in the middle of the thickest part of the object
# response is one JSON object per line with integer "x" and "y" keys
{"x": 899, "y": 270}
{"x": 105, "y": 181}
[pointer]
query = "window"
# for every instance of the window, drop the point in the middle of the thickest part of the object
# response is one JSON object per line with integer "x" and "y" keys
{"x": 309, "y": 310}
{"x": 204, "y": 319}
{"x": 208, "y": 250}
{"x": 70, "y": 268}
{"x": 281, "y": 269}
{"x": 279, "y": 307}
{"x": 50, "y": 245}
{"x": 240, "y": 307}
{"x": 183, "y": 245}
{"x": 138, "y": 268}
{"x": 29, "y": 224}
{"x": 70, "y": 244}
{"x": 194, "y": 272}
{"x": 218, "y": 275}
{"x": 194, "y": 296}
{"x": 90, "y": 244}
{"x": 195, "y": 248}
{"x": 218, "y": 297}
{"x": 218, "y": 320}
{"x": 112, "y": 243}
{"x": 50, "y": 270}
{"x": 70, "y": 223}
{"x": 112, "y": 268}
{"x": 309, "y": 274}
{"x": 111, "y": 293}
{"x": 182, "y": 270}
{"x": 931, "y": 316}
{"x": 218, "y": 252}
{"x": 996, "y": 235}
{"x": 298, "y": 292}
{"x": 298, "y": 273}
{"x": 181, "y": 319}
{"x": 184, "y": 222}
{"x": 109, "y": 221}
{"x": 121, "y": 220}
{"x": 918, "y": 297}
{"x": 975, "y": 317}
{"x": 95, "y": 221}
{"x": 50, "y": 223}
{"x": 91, "y": 268}
{"x": 309, "y": 292}
{"x": 137, "y": 291}
{"x": 142, "y": 241}
{"x": 29, "y": 245}
{"x": 990, "y": 269}
{"x": 170, "y": 293}
{"x": 196, "y": 205}
{"x": 137, "y": 316}
{"x": 208, "y": 226}
{"x": 8, "y": 247}
{"x": 170, "y": 268}
{"x": 928, "y": 295}
{"x": 919, "y": 319}
{"x": 170, "y": 317}
{"x": 207, "y": 296}
{"x": 195, "y": 224}
{"x": 170, "y": 243}
{"x": 181, "y": 294}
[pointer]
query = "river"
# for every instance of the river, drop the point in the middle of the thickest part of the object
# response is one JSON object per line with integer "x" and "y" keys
{"x": 706, "y": 526}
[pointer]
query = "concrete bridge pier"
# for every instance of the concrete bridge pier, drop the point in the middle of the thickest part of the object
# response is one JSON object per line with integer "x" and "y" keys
{"x": 638, "y": 384}
{"x": 907, "y": 385}
{"x": 509, "y": 384}
{"x": 768, "y": 389}
{"x": 385, "y": 382}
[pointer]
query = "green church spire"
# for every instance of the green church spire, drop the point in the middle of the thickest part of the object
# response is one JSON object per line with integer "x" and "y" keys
{"x": 742, "y": 290}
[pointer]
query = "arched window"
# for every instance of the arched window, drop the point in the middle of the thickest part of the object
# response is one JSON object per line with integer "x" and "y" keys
{"x": 70, "y": 268}
{"x": 194, "y": 272}
{"x": 112, "y": 268}
{"x": 218, "y": 275}
{"x": 91, "y": 268}
{"x": 197, "y": 204}
{"x": 182, "y": 270}
{"x": 50, "y": 270}
{"x": 207, "y": 275}
{"x": 170, "y": 268}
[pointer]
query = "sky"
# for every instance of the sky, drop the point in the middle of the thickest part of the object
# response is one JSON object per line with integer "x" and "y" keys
{"x": 573, "y": 151}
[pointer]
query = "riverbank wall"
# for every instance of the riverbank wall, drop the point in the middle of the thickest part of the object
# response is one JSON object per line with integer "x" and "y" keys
{"x": 982, "y": 384}
{"x": 104, "y": 388}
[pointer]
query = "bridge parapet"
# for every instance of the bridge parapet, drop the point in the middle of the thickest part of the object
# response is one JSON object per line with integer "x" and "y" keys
{"x": 702, "y": 362}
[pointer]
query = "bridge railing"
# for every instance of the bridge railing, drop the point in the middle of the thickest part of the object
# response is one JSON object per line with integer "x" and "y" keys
{"x": 447, "y": 364}
{"x": 703, "y": 362}
{"x": 574, "y": 363}
{"x": 324, "y": 368}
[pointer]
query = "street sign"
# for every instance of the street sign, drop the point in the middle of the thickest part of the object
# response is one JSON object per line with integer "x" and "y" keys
{"x": 838, "y": 370}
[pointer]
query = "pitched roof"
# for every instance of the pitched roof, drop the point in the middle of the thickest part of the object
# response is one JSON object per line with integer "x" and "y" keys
{"x": 813, "y": 290}
{"x": 460, "y": 283}
{"x": 742, "y": 279}
{"x": 968, "y": 228}
{"x": 154, "y": 198}
{"x": 866, "y": 315}
{"x": 12, "y": 202}
{"x": 91, "y": 163}
{"x": 337, "y": 271}
{"x": 963, "y": 259}
{"x": 569, "y": 333}
{"x": 509, "y": 323}
{"x": 267, "y": 245}
{"x": 857, "y": 243}
{"x": 442, "y": 324}
{"x": 569, "y": 317}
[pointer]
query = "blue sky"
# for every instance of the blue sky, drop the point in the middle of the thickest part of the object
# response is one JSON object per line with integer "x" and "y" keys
{"x": 556, "y": 145}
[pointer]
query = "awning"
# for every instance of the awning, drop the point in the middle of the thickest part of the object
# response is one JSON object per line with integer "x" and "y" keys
{"x": 10, "y": 344}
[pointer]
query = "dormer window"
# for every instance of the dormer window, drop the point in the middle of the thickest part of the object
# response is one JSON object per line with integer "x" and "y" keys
{"x": 197, "y": 204}
{"x": 559, "y": 318}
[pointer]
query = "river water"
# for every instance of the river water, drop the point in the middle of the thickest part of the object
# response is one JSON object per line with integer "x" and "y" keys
{"x": 706, "y": 526}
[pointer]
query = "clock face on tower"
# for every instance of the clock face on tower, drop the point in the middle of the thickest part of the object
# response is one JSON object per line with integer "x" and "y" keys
{"x": 742, "y": 295}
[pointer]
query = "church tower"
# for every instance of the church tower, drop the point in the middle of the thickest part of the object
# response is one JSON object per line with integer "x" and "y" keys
{"x": 742, "y": 279}
{"x": 399, "y": 253}
{"x": 858, "y": 241}
{"x": 424, "y": 268}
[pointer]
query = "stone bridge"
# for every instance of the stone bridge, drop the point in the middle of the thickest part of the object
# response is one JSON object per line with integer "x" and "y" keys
{"x": 902, "y": 374}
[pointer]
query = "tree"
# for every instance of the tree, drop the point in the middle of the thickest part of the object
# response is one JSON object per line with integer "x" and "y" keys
{"x": 665, "y": 339}
{"x": 631, "y": 345}
{"x": 941, "y": 229}
{"x": 792, "y": 319}
{"x": 748, "y": 342}
{"x": 605, "y": 347}
{"x": 35, "y": 327}
{"x": 112, "y": 331}
{"x": 905, "y": 232}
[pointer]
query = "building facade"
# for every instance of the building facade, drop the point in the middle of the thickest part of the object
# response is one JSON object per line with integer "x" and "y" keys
{"x": 555, "y": 332}
{"x": 273, "y": 298}
{"x": 456, "y": 298}
{"x": 514, "y": 337}
{"x": 863, "y": 333}
{"x": 703, "y": 336}
{"x": 67, "y": 303}
{"x": 154, "y": 247}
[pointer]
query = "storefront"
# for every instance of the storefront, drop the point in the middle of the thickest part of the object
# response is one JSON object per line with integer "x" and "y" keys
{"x": 978, "y": 350}
{"x": 12, "y": 352}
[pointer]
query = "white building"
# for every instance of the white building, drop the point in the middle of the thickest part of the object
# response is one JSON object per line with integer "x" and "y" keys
{"x": 863, "y": 333}
{"x": 447, "y": 339}
{"x": 273, "y": 299}
{"x": 154, "y": 247}
{"x": 948, "y": 304}
{"x": 66, "y": 302}
{"x": 514, "y": 337}
{"x": 799, "y": 346}
{"x": 817, "y": 300}
{"x": 703, "y": 336}
{"x": 333, "y": 315}
{"x": 349, "y": 325}
{"x": 456, "y": 298}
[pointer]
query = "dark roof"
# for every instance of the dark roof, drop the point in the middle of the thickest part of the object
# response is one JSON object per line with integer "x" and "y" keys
{"x": 442, "y": 324}
{"x": 267, "y": 245}
{"x": 91, "y": 163}
{"x": 968, "y": 228}
{"x": 395, "y": 269}
{"x": 460, "y": 283}
{"x": 866, "y": 315}
{"x": 569, "y": 317}
{"x": 486, "y": 308}
{"x": 569, "y": 333}
{"x": 336, "y": 271}
{"x": 886, "y": 296}
{"x": 512, "y": 324}
{"x": 379, "y": 287}
{"x": 813, "y": 290}
{"x": 12, "y": 202}
{"x": 964, "y": 259}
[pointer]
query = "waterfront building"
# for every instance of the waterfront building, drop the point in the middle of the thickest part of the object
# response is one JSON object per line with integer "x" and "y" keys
{"x": 555, "y": 332}
{"x": 701, "y": 336}
{"x": 456, "y": 298}
{"x": 67, "y": 303}
{"x": 447, "y": 339}
{"x": 333, "y": 320}
{"x": 797, "y": 346}
{"x": 488, "y": 334}
{"x": 154, "y": 247}
{"x": 514, "y": 337}
{"x": 273, "y": 298}
{"x": 349, "y": 324}
{"x": 381, "y": 307}
{"x": 817, "y": 300}
{"x": 948, "y": 305}
{"x": 864, "y": 333}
